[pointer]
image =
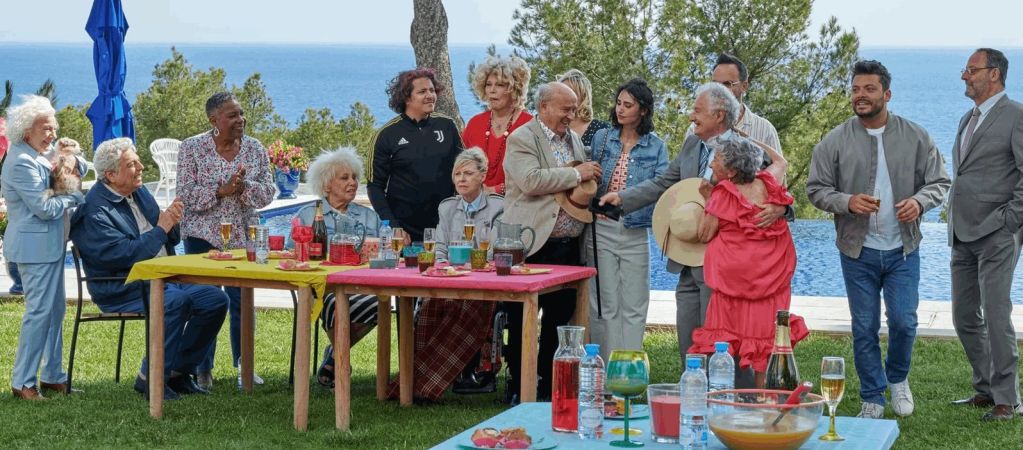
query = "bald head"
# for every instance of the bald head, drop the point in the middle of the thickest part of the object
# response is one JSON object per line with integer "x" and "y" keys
{"x": 556, "y": 105}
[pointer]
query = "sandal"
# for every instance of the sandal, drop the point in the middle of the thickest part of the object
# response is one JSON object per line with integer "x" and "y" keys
{"x": 325, "y": 374}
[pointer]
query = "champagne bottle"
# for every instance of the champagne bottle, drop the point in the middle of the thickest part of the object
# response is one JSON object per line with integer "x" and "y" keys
{"x": 320, "y": 243}
{"x": 782, "y": 372}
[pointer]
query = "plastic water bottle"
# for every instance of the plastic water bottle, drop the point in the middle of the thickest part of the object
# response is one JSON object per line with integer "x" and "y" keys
{"x": 386, "y": 233}
{"x": 591, "y": 394}
{"x": 693, "y": 415}
{"x": 721, "y": 368}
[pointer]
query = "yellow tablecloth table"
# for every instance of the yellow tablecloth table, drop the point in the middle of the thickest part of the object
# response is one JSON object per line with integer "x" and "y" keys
{"x": 197, "y": 269}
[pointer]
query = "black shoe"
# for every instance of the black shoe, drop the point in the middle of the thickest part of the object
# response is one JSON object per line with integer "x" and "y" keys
{"x": 183, "y": 385}
{"x": 475, "y": 383}
{"x": 142, "y": 387}
{"x": 325, "y": 376}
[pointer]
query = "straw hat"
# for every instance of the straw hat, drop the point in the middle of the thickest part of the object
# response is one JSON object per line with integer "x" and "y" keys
{"x": 576, "y": 201}
{"x": 676, "y": 222}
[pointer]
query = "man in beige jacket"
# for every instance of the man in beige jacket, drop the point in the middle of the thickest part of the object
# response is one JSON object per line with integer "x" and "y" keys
{"x": 536, "y": 167}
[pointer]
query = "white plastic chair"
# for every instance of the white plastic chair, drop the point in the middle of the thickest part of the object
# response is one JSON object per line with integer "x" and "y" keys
{"x": 165, "y": 155}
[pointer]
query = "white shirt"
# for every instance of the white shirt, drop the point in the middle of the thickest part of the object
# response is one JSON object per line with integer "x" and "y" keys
{"x": 984, "y": 108}
{"x": 883, "y": 232}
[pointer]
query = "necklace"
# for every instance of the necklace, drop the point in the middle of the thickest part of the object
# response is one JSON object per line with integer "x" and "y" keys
{"x": 490, "y": 124}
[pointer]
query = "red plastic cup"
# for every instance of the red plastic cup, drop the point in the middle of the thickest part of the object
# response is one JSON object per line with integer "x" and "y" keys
{"x": 276, "y": 242}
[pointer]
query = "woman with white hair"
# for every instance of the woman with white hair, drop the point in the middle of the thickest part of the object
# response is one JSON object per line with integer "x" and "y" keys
{"x": 501, "y": 83}
{"x": 450, "y": 333}
{"x": 35, "y": 241}
{"x": 583, "y": 123}
{"x": 334, "y": 177}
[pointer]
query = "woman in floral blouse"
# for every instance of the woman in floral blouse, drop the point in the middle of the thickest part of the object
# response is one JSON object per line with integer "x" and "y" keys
{"x": 223, "y": 176}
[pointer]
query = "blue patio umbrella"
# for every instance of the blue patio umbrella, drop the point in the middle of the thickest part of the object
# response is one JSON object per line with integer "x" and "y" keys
{"x": 110, "y": 112}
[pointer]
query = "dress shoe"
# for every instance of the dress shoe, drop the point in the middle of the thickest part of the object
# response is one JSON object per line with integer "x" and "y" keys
{"x": 28, "y": 393}
{"x": 204, "y": 380}
{"x": 976, "y": 401}
{"x": 59, "y": 387}
{"x": 999, "y": 412}
{"x": 183, "y": 385}
{"x": 142, "y": 387}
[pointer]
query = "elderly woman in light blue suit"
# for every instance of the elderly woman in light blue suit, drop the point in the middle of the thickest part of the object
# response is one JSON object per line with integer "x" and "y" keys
{"x": 35, "y": 241}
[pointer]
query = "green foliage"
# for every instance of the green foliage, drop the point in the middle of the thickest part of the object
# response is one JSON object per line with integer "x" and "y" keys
{"x": 798, "y": 82}
{"x": 76, "y": 125}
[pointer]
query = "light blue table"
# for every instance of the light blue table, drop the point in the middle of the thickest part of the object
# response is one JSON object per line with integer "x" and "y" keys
{"x": 865, "y": 434}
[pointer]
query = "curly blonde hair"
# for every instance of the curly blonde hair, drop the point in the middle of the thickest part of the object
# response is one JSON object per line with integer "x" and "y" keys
{"x": 575, "y": 79}
{"x": 511, "y": 69}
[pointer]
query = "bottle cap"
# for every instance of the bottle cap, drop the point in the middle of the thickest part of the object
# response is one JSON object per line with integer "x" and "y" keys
{"x": 385, "y": 223}
{"x": 592, "y": 349}
{"x": 692, "y": 362}
{"x": 721, "y": 347}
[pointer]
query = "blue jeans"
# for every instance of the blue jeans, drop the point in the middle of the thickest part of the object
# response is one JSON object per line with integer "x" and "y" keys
{"x": 192, "y": 318}
{"x": 899, "y": 277}
{"x": 234, "y": 307}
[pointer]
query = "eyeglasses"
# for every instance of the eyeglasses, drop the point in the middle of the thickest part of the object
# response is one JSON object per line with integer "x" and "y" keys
{"x": 730, "y": 84}
{"x": 973, "y": 70}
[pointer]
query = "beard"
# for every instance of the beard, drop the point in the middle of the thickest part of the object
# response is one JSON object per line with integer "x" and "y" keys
{"x": 875, "y": 109}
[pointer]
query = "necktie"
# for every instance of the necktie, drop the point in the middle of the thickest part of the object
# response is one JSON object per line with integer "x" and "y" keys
{"x": 704, "y": 159}
{"x": 970, "y": 127}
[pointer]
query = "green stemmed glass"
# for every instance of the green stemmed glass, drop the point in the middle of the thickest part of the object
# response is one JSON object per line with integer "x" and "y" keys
{"x": 628, "y": 374}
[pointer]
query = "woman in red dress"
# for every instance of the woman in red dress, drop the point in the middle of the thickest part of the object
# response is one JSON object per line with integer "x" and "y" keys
{"x": 749, "y": 267}
{"x": 501, "y": 83}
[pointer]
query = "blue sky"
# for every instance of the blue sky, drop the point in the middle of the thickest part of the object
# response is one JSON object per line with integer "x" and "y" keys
{"x": 888, "y": 23}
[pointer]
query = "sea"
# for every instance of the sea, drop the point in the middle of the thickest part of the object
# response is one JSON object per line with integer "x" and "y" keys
{"x": 926, "y": 89}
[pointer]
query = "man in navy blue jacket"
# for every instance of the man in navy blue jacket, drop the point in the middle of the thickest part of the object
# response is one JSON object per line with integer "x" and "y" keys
{"x": 121, "y": 224}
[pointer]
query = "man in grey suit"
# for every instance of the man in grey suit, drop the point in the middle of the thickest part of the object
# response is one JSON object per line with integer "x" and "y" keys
{"x": 714, "y": 114}
{"x": 985, "y": 214}
{"x": 536, "y": 167}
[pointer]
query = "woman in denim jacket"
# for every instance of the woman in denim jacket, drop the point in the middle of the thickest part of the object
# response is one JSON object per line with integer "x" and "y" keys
{"x": 628, "y": 153}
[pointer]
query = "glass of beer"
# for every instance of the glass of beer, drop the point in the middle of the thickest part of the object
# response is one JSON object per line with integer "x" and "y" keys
{"x": 469, "y": 230}
{"x": 225, "y": 234}
{"x": 484, "y": 238}
{"x": 429, "y": 239}
{"x": 832, "y": 389}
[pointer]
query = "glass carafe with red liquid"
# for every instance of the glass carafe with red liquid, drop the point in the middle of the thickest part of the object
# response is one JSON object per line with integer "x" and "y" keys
{"x": 509, "y": 240}
{"x": 565, "y": 384}
{"x": 348, "y": 237}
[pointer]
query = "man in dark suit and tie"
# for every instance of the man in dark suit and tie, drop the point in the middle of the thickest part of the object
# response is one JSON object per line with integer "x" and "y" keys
{"x": 984, "y": 220}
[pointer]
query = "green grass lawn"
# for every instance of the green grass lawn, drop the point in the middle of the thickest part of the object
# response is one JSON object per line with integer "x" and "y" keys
{"x": 112, "y": 415}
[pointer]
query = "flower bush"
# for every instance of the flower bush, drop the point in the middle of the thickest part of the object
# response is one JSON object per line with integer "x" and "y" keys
{"x": 287, "y": 157}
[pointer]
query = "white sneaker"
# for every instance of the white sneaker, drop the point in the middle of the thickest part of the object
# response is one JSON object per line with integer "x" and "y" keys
{"x": 902, "y": 398}
{"x": 256, "y": 379}
{"x": 871, "y": 411}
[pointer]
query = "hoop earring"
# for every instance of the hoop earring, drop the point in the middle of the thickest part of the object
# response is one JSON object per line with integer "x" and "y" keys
{"x": 216, "y": 131}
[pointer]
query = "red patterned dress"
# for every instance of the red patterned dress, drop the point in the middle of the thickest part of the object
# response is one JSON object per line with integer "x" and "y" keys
{"x": 750, "y": 270}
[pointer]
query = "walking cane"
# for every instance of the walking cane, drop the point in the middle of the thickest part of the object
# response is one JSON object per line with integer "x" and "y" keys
{"x": 593, "y": 232}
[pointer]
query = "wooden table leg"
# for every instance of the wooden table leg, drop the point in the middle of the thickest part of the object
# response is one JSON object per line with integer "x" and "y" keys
{"x": 405, "y": 349}
{"x": 305, "y": 300}
{"x": 582, "y": 307}
{"x": 248, "y": 338}
{"x": 527, "y": 384}
{"x": 383, "y": 345}
{"x": 156, "y": 357}
{"x": 342, "y": 360}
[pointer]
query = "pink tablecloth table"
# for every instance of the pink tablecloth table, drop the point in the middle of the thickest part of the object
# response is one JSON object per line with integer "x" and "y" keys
{"x": 407, "y": 284}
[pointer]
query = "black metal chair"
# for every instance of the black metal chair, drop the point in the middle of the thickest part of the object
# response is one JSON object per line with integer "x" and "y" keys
{"x": 81, "y": 317}
{"x": 294, "y": 331}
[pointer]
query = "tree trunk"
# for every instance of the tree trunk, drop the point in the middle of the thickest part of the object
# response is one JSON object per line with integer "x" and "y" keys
{"x": 429, "y": 36}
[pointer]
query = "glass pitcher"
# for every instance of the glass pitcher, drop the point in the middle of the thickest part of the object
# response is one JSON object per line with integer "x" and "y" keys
{"x": 565, "y": 385}
{"x": 509, "y": 240}
{"x": 349, "y": 235}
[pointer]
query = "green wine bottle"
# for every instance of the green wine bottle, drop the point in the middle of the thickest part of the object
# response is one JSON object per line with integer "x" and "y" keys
{"x": 782, "y": 373}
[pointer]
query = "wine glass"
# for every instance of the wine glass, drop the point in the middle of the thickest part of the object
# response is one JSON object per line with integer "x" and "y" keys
{"x": 483, "y": 240}
{"x": 628, "y": 374}
{"x": 832, "y": 388}
{"x": 225, "y": 234}
{"x": 397, "y": 242}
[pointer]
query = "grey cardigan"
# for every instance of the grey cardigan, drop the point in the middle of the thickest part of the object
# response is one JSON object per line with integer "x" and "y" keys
{"x": 844, "y": 163}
